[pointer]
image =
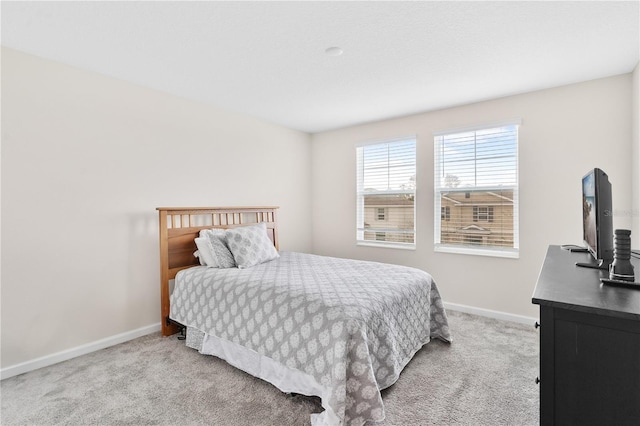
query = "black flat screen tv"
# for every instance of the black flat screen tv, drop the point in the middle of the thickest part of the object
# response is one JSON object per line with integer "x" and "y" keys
{"x": 597, "y": 223}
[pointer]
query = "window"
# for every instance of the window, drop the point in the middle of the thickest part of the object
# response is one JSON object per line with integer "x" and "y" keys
{"x": 473, "y": 239}
{"x": 445, "y": 213}
{"x": 476, "y": 190}
{"x": 386, "y": 192}
{"x": 482, "y": 214}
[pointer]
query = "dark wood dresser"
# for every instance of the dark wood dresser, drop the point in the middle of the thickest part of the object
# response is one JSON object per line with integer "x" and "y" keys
{"x": 589, "y": 344}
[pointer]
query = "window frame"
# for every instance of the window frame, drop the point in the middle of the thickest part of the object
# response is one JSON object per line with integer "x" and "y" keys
{"x": 361, "y": 193}
{"x": 472, "y": 249}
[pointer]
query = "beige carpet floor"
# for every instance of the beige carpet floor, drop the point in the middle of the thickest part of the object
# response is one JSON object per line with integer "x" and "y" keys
{"x": 485, "y": 377}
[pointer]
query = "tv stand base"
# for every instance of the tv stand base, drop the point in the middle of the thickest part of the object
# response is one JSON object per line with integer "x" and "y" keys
{"x": 602, "y": 264}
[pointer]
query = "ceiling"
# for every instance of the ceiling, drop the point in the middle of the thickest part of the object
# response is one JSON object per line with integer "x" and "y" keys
{"x": 267, "y": 59}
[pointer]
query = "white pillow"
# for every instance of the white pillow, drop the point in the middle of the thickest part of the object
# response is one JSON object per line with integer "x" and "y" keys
{"x": 250, "y": 245}
{"x": 200, "y": 259}
{"x": 219, "y": 250}
{"x": 205, "y": 252}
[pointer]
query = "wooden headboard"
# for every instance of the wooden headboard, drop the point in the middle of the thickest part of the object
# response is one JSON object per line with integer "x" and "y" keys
{"x": 179, "y": 226}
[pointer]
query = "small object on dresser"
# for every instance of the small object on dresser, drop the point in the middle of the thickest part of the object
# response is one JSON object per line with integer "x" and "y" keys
{"x": 620, "y": 283}
{"x": 621, "y": 270}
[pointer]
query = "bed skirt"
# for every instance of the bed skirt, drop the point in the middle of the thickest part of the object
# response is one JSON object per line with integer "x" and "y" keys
{"x": 286, "y": 379}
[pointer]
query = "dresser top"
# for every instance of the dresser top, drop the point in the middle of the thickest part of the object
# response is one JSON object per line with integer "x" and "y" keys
{"x": 563, "y": 284}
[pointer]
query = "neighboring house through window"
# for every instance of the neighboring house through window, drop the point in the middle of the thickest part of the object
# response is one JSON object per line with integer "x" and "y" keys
{"x": 476, "y": 190}
{"x": 386, "y": 192}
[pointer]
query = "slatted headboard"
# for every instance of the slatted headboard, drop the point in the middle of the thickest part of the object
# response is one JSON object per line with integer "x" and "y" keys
{"x": 179, "y": 226}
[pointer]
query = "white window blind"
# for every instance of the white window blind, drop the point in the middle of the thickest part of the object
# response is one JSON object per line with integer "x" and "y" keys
{"x": 476, "y": 190}
{"x": 386, "y": 192}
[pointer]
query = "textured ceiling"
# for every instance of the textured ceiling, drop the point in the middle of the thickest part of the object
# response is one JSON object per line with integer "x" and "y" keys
{"x": 267, "y": 59}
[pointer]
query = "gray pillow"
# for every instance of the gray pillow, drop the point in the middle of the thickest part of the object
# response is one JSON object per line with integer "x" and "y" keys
{"x": 250, "y": 245}
{"x": 219, "y": 250}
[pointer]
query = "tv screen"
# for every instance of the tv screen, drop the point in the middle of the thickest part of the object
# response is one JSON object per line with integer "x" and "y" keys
{"x": 590, "y": 236}
{"x": 597, "y": 226}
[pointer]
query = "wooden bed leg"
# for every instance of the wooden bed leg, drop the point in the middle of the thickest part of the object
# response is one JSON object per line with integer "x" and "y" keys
{"x": 169, "y": 329}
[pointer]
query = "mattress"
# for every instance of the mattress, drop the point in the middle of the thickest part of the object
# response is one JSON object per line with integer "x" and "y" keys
{"x": 335, "y": 328}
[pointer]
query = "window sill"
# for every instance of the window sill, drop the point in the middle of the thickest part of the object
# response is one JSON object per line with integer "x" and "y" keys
{"x": 506, "y": 253}
{"x": 400, "y": 246}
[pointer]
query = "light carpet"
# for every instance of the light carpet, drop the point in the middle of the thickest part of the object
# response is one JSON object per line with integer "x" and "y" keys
{"x": 485, "y": 377}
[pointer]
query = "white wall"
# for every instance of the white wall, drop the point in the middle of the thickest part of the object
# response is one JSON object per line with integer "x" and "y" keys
{"x": 565, "y": 132}
{"x": 635, "y": 160}
{"x": 86, "y": 159}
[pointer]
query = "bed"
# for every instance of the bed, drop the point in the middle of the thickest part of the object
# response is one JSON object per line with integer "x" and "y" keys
{"x": 339, "y": 329}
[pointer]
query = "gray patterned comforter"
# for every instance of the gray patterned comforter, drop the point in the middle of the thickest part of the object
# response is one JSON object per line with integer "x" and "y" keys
{"x": 351, "y": 325}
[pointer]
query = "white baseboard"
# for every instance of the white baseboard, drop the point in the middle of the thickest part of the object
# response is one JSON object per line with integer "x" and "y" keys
{"x": 490, "y": 313}
{"x": 25, "y": 367}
